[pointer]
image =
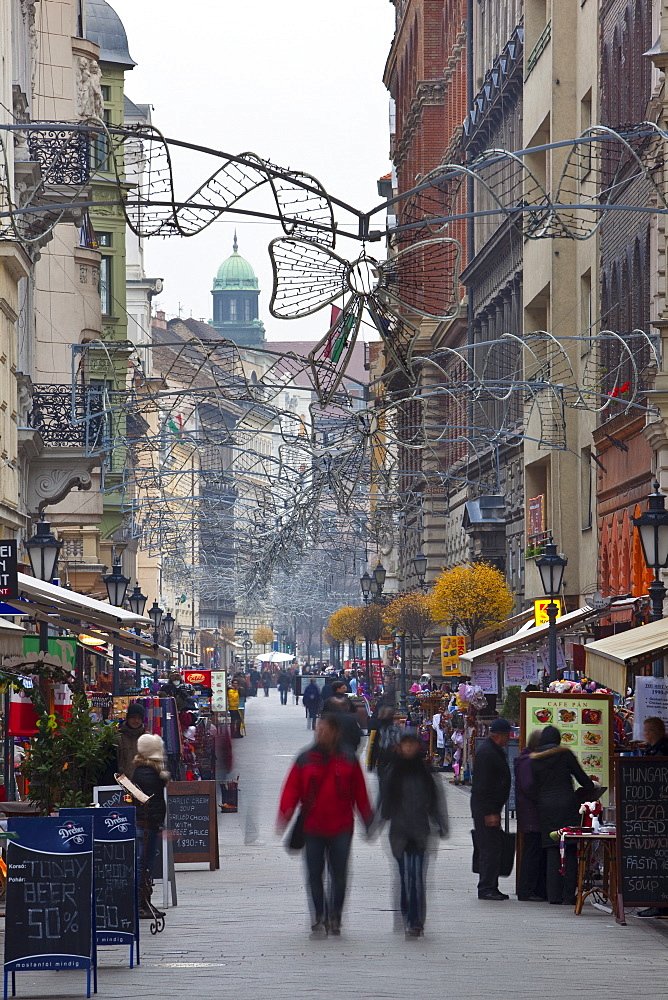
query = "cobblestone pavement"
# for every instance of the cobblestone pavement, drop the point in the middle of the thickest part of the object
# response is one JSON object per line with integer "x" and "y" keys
{"x": 242, "y": 931}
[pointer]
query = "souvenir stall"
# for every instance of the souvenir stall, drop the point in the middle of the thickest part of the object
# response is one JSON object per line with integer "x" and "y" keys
{"x": 161, "y": 719}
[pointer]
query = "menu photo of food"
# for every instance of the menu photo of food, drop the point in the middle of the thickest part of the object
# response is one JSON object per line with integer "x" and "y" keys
{"x": 592, "y": 716}
{"x": 567, "y": 715}
{"x": 592, "y": 737}
{"x": 569, "y": 737}
{"x": 542, "y": 715}
{"x": 591, "y": 760}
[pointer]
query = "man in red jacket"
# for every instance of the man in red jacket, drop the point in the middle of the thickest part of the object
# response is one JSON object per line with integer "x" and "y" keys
{"x": 329, "y": 783}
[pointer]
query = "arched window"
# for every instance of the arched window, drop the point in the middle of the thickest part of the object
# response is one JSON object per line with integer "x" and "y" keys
{"x": 233, "y": 310}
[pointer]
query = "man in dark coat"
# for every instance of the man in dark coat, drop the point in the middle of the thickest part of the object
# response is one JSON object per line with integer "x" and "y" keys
{"x": 350, "y": 732}
{"x": 284, "y": 686}
{"x": 489, "y": 793}
{"x": 554, "y": 767}
{"x": 531, "y": 882}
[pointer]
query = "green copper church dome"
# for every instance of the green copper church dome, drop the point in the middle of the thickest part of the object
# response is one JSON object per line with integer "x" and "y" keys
{"x": 235, "y": 272}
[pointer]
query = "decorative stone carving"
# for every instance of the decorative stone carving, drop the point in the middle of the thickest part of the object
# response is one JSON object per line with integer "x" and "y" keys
{"x": 88, "y": 88}
{"x": 54, "y": 474}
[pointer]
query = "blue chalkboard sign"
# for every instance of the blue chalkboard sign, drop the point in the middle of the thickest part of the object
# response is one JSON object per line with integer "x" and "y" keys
{"x": 115, "y": 875}
{"x": 50, "y": 922}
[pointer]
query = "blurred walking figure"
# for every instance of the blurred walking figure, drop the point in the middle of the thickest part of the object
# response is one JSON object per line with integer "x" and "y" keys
{"x": 311, "y": 701}
{"x": 383, "y": 740}
{"x": 284, "y": 686}
{"x": 327, "y": 781}
{"x": 412, "y": 800}
{"x": 148, "y": 774}
{"x": 531, "y": 884}
{"x": 266, "y": 682}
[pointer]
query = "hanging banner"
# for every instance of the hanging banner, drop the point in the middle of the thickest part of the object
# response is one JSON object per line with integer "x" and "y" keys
{"x": 520, "y": 669}
{"x": 486, "y": 676}
{"x": 452, "y": 647}
{"x": 651, "y": 700}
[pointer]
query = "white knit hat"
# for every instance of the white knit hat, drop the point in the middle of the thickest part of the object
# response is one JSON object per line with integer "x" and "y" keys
{"x": 151, "y": 747}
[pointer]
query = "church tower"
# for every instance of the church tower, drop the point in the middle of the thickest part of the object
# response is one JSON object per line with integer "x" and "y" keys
{"x": 235, "y": 301}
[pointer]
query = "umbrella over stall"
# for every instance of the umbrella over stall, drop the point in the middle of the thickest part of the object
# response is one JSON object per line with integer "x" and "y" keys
{"x": 275, "y": 657}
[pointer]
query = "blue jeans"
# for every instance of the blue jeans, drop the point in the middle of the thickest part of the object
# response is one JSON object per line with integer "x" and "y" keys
{"x": 336, "y": 850}
{"x": 413, "y": 894}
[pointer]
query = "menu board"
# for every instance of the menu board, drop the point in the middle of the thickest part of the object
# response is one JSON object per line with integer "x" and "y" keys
{"x": 218, "y": 691}
{"x": 585, "y": 724}
{"x": 642, "y": 829}
{"x": 115, "y": 874}
{"x": 49, "y": 921}
{"x": 193, "y": 821}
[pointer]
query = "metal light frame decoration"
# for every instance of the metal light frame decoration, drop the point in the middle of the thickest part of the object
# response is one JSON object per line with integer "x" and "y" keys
{"x": 43, "y": 551}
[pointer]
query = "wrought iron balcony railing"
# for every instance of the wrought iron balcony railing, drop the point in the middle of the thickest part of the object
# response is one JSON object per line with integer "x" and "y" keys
{"x": 63, "y": 154}
{"x": 52, "y": 416}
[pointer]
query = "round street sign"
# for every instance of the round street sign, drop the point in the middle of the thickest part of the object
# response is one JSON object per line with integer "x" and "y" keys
{"x": 248, "y": 644}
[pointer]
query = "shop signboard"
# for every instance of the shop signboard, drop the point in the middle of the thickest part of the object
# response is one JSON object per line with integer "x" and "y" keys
{"x": 9, "y": 577}
{"x": 452, "y": 647}
{"x": 651, "y": 699}
{"x": 536, "y": 515}
{"x": 585, "y": 724}
{"x": 116, "y": 905}
{"x": 49, "y": 901}
{"x": 641, "y": 787}
{"x": 486, "y": 676}
{"x": 540, "y": 610}
{"x": 202, "y": 677}
{"x": 193, "y": 822}
{"x": 219, "y": 691}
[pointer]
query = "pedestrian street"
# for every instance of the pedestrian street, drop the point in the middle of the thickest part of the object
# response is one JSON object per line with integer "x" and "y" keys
{"x": 243, "y": 931}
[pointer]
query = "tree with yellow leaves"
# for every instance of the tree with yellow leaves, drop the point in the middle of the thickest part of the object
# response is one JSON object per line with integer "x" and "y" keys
{"x": 470, "y": 598}
{"x": 412, "y": 614}
{"x": 262, "y": 636}
{"x": 344, "y": 626}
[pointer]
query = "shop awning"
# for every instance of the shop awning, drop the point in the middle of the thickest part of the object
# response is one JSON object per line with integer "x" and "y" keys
{"x": 72, "y": 604}
{"x": 606, "y": 660}
{"x": 11, "y": 638}
{"x": 527, "y": 634}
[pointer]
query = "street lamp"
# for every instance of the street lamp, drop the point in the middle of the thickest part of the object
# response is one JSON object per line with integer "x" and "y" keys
{"x": 374, "y": 589}
{"x": 192, "y": 633}
{"x": 420, "y": 567}
{"x": 168, "y": 623}
{"x": 137, "y": 602}
{"x": 653, "y": 530}
{"x": 379, "y": 575}
{"x": 365, "y": 584}
{"x": 155, "y": 614}
{"x": 117, "y": 586}
{"x": 551, "y": 567}
{"x": 43, "y": 549}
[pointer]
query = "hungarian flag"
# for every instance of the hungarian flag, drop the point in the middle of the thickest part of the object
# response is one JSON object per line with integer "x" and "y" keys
{"x": 176, "y": 425}
{"x": 336, "y": 312}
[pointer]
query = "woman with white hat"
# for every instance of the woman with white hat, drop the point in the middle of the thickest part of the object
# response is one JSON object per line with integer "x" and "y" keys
{"x": 150, "y": 776}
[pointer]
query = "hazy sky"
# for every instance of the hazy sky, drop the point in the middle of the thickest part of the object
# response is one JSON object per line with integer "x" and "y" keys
{"x": 297, "y": 82}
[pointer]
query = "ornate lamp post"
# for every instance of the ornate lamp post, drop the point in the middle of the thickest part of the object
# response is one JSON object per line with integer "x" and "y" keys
{"x": 365, "y": 584}
{"x": 43, "y": 549}
{"x": 653, "y": 530}
{"x": 551, "y": 567}
{"x": 168, "y": 623}
{"x": 117, "y": 586}
{"x": 137, "y": 602}
{"x": 155, "y": 614}
{"x": 420, "y": 567}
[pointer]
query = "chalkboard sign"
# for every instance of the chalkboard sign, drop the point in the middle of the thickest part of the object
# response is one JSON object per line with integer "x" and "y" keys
{"x": 111, "y": 795}
{"x": 642, "y": 830}
{"x": 115, "y": 875}
{"x": 193, "y": 821}
{"x": 50, "y": 918}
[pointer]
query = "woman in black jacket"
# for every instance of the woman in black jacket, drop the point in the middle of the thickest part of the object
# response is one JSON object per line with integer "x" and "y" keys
{"x": 554, "y": 767}
{"x": 150, "y": 777}
{"x": 412, "y": 799}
